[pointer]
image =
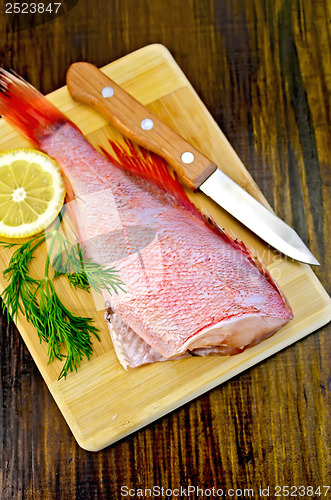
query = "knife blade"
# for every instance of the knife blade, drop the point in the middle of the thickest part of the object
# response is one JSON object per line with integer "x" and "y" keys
{"x": 87, "y": 84}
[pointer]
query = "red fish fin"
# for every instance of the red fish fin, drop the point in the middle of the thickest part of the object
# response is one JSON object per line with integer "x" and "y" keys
{"x": 27, "y": 109}
{"x": 145, "y": 164}
{"x": 138, "y": 161}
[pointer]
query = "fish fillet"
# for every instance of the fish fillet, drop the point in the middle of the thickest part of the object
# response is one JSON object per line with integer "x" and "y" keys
{"x": 187, "y": 288}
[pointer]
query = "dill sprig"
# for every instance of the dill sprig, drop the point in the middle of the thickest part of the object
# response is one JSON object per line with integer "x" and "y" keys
{"x": 68, "y": 335}
{"x": 82, "y": 272}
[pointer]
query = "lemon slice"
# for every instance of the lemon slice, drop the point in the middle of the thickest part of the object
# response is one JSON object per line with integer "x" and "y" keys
{"x": 31, "y": 192}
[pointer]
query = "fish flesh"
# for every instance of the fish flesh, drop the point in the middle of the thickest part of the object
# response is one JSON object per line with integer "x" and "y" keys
{"x": 190, "y": 289}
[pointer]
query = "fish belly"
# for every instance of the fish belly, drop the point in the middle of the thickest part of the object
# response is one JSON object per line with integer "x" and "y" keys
{"x": 187, "y": 288}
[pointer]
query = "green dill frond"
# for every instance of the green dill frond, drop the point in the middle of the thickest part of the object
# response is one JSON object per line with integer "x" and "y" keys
{"x": 69, "y": 337}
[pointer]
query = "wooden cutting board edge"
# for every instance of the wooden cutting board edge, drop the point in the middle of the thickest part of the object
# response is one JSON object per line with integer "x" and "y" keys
{"x": 107, "y": 437}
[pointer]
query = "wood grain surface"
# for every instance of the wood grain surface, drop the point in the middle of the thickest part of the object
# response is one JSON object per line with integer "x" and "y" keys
{"x": 262, "y": 67}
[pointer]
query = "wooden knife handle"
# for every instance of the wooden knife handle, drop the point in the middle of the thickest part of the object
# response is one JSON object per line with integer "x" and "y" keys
{"x": 87, "y": 84}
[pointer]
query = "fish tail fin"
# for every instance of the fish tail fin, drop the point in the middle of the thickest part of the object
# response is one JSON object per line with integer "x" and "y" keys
{"x": 27, "y": 109}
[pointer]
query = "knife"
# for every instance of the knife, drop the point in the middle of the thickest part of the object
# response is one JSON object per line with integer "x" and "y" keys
{"x": 87, "y": 84}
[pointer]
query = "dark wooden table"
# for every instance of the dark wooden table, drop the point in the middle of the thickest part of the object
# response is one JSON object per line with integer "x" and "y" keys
{"x": 263, "y": 69}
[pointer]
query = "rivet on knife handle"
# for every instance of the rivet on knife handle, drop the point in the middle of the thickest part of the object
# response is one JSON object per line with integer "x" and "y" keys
{"x": 87, "y": 84}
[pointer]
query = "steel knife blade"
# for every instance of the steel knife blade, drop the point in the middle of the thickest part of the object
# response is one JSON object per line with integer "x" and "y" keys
{"x": 87, "y": 84}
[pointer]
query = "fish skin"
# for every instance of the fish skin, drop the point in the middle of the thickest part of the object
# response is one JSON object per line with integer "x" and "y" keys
{"x": 187, "y": 279}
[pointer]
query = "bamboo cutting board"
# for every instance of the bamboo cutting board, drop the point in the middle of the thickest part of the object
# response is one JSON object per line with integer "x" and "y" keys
{"x": 102, "y": 402}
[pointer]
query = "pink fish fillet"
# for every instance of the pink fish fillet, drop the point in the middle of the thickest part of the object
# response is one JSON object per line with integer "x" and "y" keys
{"x": 189, "y": 289}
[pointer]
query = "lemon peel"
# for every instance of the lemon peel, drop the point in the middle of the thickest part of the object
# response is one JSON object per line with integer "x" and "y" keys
{"x": 31, "y": 192}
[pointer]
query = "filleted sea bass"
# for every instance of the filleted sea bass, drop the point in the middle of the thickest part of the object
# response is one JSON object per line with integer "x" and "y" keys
{"x": 189, "y": 288}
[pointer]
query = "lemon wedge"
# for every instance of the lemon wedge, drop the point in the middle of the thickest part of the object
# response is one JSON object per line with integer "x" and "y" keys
{"x": 31, "y": 192}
